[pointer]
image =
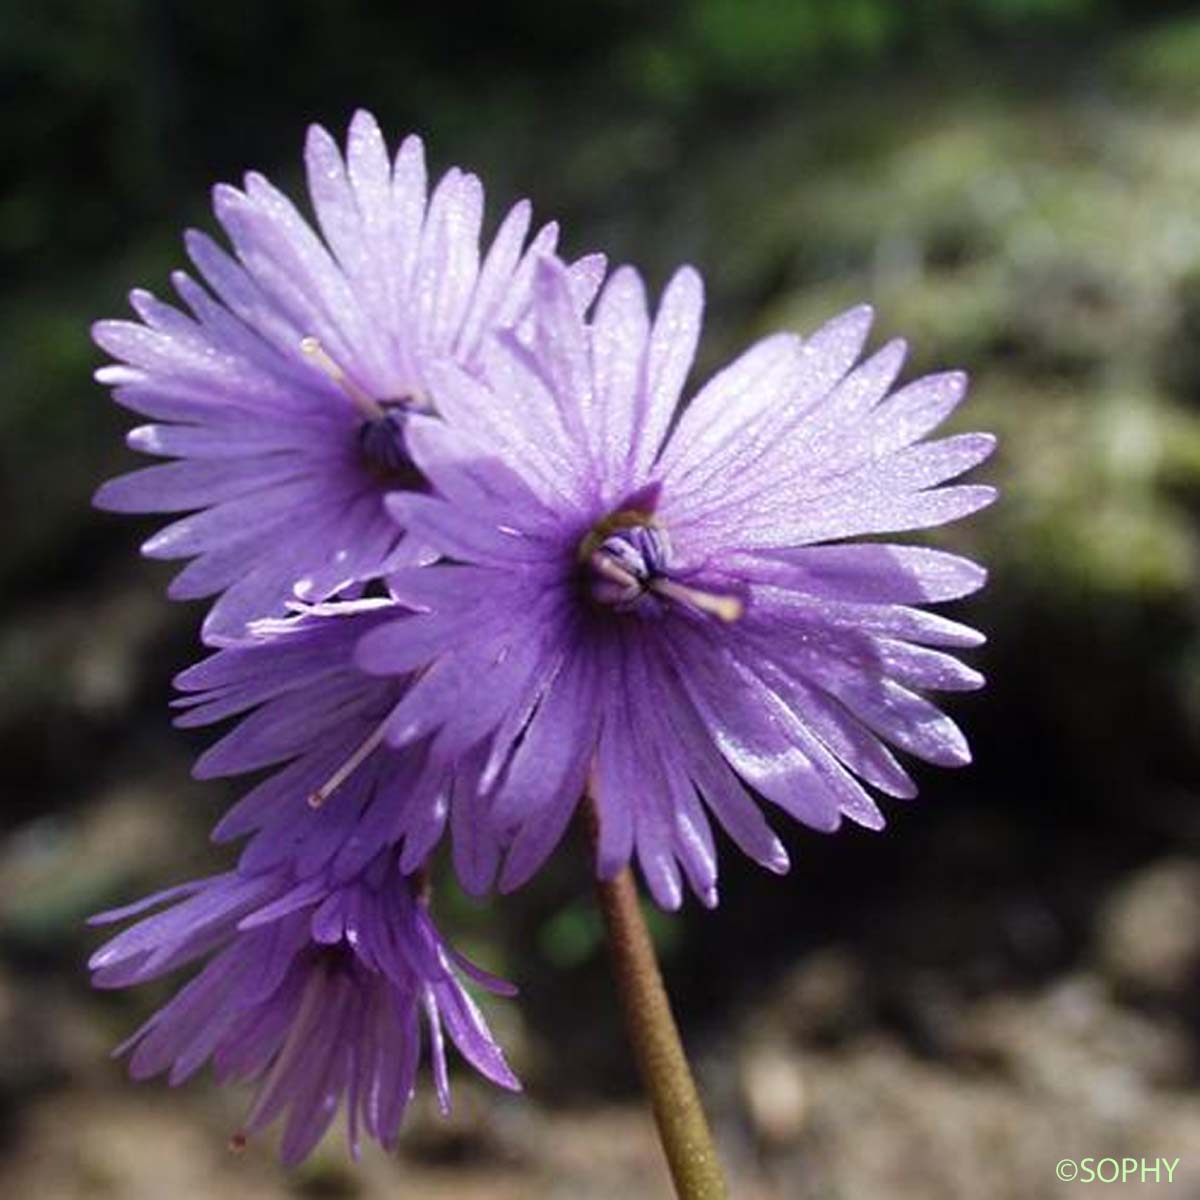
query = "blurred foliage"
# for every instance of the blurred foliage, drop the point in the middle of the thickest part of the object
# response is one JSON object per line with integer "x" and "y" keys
{"x": 117, "y": 108}
{"x": 756, "y": 46}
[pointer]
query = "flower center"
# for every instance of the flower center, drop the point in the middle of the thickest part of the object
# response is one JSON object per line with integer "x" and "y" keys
{"x": 381, "y": 433}
{"x": 626, "y": 565}
{"x": 381, "y": 442}
{"x": 623, "y": 563}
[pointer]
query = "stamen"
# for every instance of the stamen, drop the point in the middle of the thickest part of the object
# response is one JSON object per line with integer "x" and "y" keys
{"x": 347, "y": 768}
{"x": 628, "y": 554}
{"x": 604, "y": 564}
{"x": 724, "y": 608}
{"x": 370, "y": 408}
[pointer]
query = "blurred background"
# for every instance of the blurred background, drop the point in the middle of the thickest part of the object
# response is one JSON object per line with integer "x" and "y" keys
{"x": 1010, "y": 974}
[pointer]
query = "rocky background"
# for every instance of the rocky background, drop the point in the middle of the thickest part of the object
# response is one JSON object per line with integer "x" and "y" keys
{"x": 1010, "y": 974}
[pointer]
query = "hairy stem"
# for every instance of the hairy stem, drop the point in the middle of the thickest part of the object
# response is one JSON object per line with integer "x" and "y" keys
{"x": 682, "y": 1126}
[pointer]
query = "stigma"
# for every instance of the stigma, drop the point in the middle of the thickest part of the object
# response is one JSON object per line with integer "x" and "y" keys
{"x": 626, "y": 560}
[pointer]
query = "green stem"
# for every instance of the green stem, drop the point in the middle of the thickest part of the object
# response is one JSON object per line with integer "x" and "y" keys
{"x": 682, "y": 1126}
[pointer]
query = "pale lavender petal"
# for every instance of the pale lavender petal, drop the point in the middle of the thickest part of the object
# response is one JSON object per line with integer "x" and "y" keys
{"x": 495, "y": 279}
{"x": 714, "y": 425}
{"x": 181, "y": 486}
{"x": 615, "y": 786}
{"x": 561, "y": 346}
{"x": 448, "y": 259}
{"x": 585, "y": 275}
{"x": 284, "y": 384}
{"x": 853, "y": 514}
{"x": 871, "y": 573}
{"x": 663, "y": 623}
{"x": 620, "y": 329}
{"x": 318, "y": 1003}
{"x": 669, "y": 356}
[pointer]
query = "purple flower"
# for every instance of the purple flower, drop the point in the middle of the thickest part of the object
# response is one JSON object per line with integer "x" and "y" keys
{"x": 664, "y": 602}
{"x": 316, "y": 991}
{"x": 283, "y": 395}
{"x": 340, "y": 794}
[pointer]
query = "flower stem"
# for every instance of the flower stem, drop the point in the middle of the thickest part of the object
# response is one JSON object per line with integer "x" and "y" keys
{"x": 682, "y": 1126}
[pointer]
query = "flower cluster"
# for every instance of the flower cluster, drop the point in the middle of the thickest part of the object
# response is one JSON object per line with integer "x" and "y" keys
{"x": 475, "y": 557}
